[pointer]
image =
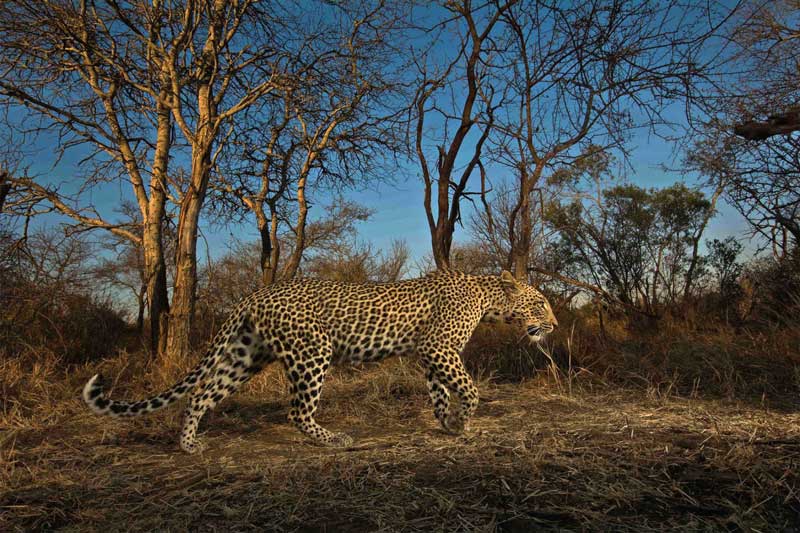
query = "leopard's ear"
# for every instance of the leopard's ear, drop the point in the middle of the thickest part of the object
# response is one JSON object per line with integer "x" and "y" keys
{"x": 510, "y": 285}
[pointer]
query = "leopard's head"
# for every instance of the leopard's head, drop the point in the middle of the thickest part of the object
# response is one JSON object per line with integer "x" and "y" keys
{"x": 525, "y": 306}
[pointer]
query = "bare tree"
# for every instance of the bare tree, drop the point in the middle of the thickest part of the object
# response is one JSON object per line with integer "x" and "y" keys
{"x": 234, "y": 62}
{"x": 121, "y": 80}
{"x": 60, "y": 62}
{"x": 258, "y": 181}
{"x": 495, "y": 226}
{"x": 394, "y": 263}
{"x": 760, "y": 179}
{"x": 582, "y": 76}
{"x": 747, "y": 143}
{"x": 331, "y": 127}
{"x": 438, "y": 99}
{"x": 124, "y": 267}
{"x": 764, "y": 100}
{"x": 350, "y": 260}
{"x": 125, "y": 272}
{"x": 47, "y": 298}
{"x": 331, "y": 231}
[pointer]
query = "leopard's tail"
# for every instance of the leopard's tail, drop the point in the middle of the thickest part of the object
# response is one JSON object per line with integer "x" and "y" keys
{"x": 95, "y": 398}
{"x": 97, "y": 401}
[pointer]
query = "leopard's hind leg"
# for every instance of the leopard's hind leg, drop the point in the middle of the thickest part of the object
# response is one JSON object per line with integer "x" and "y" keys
{"x": 244, "y": 356}
{"x": 306, "y": 365}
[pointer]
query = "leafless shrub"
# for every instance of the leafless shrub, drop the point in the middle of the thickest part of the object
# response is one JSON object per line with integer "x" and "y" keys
{"x": 50, "y": 304}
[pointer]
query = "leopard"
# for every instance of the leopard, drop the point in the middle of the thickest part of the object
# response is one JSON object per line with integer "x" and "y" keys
{"x": 309, "y": 324}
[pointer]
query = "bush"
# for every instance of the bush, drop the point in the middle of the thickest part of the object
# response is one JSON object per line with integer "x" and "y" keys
{"x": 502, "y": 351}
{"x": 773, "y": 291}
{"x": 48, "y": 304}
{"x": 74, "y": 327}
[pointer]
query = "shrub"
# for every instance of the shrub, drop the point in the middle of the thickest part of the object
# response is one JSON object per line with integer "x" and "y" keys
{"x": 48, "y": 303}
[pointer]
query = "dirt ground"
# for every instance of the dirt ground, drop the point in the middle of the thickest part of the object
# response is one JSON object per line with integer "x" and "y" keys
{"x": 538, "y": 457}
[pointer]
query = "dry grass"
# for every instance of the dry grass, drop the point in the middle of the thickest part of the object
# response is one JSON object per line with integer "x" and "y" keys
{"x": 572, "y": 448}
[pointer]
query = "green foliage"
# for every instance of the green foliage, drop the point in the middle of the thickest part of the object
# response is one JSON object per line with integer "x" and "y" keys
{"x": 593, "y": 162}
{"x": 680, "y": 210}
{"x": 637, "y": 244}
{"x": 723, "y": 258}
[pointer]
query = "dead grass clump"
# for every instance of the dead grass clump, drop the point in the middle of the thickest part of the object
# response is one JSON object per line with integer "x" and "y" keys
{"x": 26, "y": 385}
{"x": 502, "y": 352}
{"x": 720, "y": 363}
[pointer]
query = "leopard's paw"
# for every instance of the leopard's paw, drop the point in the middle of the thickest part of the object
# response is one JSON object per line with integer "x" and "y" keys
{"x": 340, "y": 440}
{"x": 455, "y": 425}
{"x": 193, "y": 447}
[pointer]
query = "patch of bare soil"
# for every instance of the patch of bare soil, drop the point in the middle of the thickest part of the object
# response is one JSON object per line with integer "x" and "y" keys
{"x": 535, "y": 459}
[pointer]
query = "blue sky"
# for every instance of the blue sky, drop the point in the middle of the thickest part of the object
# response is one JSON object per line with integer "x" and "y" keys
{"x": 398, "y": 211}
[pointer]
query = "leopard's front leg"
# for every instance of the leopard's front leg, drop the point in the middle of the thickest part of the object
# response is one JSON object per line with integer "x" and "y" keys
{"x": 440, "y": 397}
{"x": 447, "y": 369}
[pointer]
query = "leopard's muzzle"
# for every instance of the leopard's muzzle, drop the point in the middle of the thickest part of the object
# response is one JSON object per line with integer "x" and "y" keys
{"x": 537, "y": 333}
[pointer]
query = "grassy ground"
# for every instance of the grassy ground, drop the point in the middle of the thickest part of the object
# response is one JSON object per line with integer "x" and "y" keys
{"x": 563, "y": 454}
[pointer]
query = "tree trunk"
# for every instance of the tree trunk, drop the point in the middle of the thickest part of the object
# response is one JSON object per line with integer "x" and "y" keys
{"x": 267, "y": 273}
{"x": 140, "y": 314}
{"x": 153, "y": 232}
{"x": 521, "y": 246}
{"x": 690, "y": 274}
{"x": 270, "y": 247}
{"x": 5, "y": 188}
{"x": 441, "y": 241}
{"x": 183, "y": 298}
{"x": 293, "y": 263}
{"x": 521, "y": 222}
{"x": 156, "y": 280}
{"x": 182, "y": 308}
